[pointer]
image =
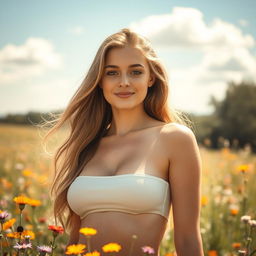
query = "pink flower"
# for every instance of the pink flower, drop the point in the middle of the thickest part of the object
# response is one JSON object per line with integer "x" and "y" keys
{"x": 22, "y": 246}
{"x": 44, "y": 248}
{"x": 148, "y": 250}
{"x": 3, "y": 215}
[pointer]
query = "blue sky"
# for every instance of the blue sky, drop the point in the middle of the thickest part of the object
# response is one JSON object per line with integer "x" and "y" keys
{"x": 47, "y": 47}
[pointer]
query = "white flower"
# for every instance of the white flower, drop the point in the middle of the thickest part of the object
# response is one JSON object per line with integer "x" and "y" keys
{"x": 245, "y": 218}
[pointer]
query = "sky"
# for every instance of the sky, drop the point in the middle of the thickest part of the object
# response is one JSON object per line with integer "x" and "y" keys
{"x": 46, "y": 47}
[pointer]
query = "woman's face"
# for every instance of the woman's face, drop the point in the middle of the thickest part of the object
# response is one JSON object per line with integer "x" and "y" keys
{"x": 126, "y": 70}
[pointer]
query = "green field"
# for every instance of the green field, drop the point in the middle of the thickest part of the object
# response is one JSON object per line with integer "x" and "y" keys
{"x": 228, "y": 193}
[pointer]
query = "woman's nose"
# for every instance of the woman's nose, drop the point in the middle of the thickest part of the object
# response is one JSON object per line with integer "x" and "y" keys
{"x": 124, "y": 80}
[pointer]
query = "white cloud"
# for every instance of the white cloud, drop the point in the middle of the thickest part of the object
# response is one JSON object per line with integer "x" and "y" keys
{"x": 31, "y": 59}
{"x": 225, "y": 53}
{"x": 78, "y": 30}
{"x": 185, "y": 27}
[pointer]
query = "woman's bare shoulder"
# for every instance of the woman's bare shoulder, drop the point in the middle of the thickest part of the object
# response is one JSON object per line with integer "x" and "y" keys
{"x": 177, "y": 137}
{"x": 175, "y": 129}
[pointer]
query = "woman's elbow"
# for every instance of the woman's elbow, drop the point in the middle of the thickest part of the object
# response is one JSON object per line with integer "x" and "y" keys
{"x": 189, "y": 245}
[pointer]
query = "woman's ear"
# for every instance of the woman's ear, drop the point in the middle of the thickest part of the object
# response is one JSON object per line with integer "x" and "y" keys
{"x": 152, "y": 80}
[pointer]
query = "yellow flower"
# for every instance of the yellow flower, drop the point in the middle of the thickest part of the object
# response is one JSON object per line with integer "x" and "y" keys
{"x": 111, "y": 247}
{"x": 8, "y": 224}
{"x": 94, "y": 253}
{"x": 21, "y": 200}
{"x": 204, "y": 200}
{"x": 88, "y": 231}
{"x": 34, "y": 202}
{"x": 23, "y": 234}
{"x": 75, "y": 249}
{"x": 27, "y": 172}
{"x": 28, "y": 233}
{"x": 13, "y": 235}
{"x": 243, "y": 168}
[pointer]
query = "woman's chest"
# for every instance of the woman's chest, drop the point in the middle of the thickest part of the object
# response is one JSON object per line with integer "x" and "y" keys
{"x": 137, "y": 154}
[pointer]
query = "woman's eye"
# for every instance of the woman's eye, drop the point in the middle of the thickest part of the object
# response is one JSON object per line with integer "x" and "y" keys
{"x": 137, "y": 72}
{"x": 109, "y": 73}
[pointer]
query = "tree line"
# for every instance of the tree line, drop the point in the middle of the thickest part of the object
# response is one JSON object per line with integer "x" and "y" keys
{"x": 232, "y": 123}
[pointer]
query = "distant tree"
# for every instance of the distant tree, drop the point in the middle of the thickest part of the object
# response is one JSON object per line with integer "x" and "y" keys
{"x": 236, "y": 114}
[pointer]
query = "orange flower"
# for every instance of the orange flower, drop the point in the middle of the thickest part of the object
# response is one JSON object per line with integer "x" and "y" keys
{"x": 28, "y": 233}
{"x": 88, "y": 231}
{"x": 212, "y": 253}
{"x": 5, "y": 183}
{"x": 236, "y": 245}
{"x": 23, "y": 234}
{"x": 8, "y": 224}
{"x": 13, "y": 235}
{"x": 234, "y": 211}
{"x": 75, "y": 249}
{"x": 170, "y": 254}
{"x": 204, "y": 200}
{"x": 243, "y": 168}
{"x": 94, "y": 253}
{"x": 111, "y": 247}
{"x": 21, "y": 199}
{"x": 57, "y": 229}
{"x": 34, "y": 202}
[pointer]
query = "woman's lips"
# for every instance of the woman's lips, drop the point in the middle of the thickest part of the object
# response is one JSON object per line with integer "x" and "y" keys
{"x": 124, "y": 95}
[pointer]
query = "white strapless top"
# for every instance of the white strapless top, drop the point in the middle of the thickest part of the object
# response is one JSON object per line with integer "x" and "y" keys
{"x": 131, "y": 193}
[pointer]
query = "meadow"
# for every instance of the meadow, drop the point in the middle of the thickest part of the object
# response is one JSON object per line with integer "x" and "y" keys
{"x": 228, "y": 200}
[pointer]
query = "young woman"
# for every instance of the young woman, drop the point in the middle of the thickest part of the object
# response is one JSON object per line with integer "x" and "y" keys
{"x": 128, "y": 156}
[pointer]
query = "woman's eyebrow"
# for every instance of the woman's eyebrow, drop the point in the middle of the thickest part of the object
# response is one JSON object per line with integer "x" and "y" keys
{"x": 131, "y": 66}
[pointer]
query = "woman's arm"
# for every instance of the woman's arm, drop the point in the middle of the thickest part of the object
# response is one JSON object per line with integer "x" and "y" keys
{"x": 184, "y": 178}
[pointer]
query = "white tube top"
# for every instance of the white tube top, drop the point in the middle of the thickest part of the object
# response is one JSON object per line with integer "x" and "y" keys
{"x": 131, "y": 193}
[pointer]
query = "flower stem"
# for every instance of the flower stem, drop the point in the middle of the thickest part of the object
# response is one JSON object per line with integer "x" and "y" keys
{"x": 88, "y": 243}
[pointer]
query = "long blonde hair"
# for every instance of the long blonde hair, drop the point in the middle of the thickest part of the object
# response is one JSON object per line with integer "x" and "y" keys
{"x": 88, "y": 116}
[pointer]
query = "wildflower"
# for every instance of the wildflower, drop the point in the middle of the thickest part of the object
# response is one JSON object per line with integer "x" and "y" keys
{"x": 94, "y": 253}
{"x": 34, "y": 202}
{"x": 23, "y": 246}
{"x": 42, "y": 220}
{"x": 21, "y": 201}
{"x": 242, "y": 252}
{"x": 3, "y": 215}
{"x": 111, "y": 247}
{"x": 29, "y": 233}
{"x": 233, "y": 211}
{"x": 27, "y": 172}
{"x": 212, "y": 253}
{"x": 56, "y": 229}
{"x": 243, "y": 168}
{"x": 236, "y": 245}
{"x": 252, "y": 223}
{"x": 13, "y": 235}
{"x": 75, "y": 248}
{"x": 204, "y": 200}
{"x": 8, "y": 224}
{"x": 88, "y": 231}
{"x": 6, "y": 184}
{"x": 245, "y": 218}
{"x": 148, "y": 250}
{"x": 43, "y": 249}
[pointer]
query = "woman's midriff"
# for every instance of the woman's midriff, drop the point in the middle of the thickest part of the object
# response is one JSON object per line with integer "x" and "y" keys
{"x": 118, "y": 227}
